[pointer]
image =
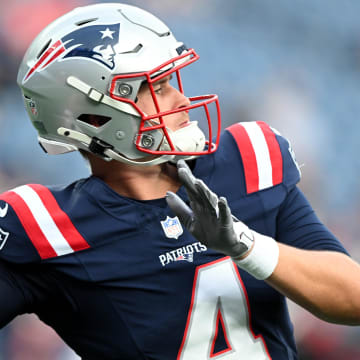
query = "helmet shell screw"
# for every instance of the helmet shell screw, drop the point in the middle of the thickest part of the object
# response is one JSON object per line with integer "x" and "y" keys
{"x": 120, "y": 135}
{"x": 125, "y": 89}
{"x": 147, "y": 141}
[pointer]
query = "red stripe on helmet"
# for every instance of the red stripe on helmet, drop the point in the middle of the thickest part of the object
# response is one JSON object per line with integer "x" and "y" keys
{"x": 43, "y": 58}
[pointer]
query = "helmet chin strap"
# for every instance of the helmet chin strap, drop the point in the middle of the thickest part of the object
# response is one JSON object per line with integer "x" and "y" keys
{"x": 187, "y": 139}
{"x": 158, "y": 160}
{"x": 110, "y": 154}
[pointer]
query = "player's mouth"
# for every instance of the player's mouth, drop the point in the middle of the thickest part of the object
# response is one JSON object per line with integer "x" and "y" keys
{"x": 184, "y": 124}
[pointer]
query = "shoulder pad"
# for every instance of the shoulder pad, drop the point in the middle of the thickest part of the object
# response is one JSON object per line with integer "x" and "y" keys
{"x": 267, "y": 157}
{"x": 34, "y": 227}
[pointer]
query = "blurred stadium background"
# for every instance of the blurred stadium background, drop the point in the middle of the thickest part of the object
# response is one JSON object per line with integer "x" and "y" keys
{"x": 294, "y": 64}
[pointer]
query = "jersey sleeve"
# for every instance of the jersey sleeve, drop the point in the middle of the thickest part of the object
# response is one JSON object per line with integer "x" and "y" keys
{"x": 13, "y": 301}
{"x": 33, "y": 226}
{"x": 27, "y": 288}
{"x": 299, "y": 226}
{"x": 15, "y": 245}
{"x": 267, "y": 157}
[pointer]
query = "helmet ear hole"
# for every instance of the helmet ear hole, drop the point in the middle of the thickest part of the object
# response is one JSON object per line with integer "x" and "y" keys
{"x": 94, "y": 120}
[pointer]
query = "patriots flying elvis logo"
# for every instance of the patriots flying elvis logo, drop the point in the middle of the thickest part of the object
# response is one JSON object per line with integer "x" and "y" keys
{"x": 95, "y": 42}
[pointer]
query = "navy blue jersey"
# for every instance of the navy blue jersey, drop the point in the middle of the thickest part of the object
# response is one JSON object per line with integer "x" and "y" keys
{"x": 119, "y": 278}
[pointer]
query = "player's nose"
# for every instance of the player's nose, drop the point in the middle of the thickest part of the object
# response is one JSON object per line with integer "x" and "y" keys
{"x": 181, "y": 100}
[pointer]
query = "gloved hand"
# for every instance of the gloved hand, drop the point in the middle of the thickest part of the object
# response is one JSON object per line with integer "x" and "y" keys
{"x": 209, "y": 219}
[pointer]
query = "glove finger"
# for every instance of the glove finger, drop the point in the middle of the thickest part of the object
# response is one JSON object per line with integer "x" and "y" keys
{"x": 199, "y": 199}
{"x": 178, "y": 206}
{"x": 225, "y": 215}
{"x": 188, "y": 180}
{"x": 181, "y": 164}
{"x": 209, "y": 200}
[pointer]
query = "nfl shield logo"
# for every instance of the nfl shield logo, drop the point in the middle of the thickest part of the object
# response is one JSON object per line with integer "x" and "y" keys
{"x": 3, "y": 237}
{"x": 172, "y": 227}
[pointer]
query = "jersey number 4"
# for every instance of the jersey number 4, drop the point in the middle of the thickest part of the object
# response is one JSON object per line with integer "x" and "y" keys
{"x": 219, "y": 311}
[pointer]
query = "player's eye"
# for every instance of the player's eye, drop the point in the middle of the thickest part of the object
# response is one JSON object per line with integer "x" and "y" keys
{"x": 158, "y": 90}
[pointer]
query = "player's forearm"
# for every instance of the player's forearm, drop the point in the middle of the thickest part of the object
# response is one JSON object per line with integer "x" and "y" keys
{"x": 325, "y": 283}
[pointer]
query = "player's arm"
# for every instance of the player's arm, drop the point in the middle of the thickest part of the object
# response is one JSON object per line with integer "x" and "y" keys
{"x": 12, "y": 298}
{"x": 326, "y": 283}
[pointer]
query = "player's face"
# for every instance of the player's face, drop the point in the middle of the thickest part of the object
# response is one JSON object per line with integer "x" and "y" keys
{"x": 169, "y": 98}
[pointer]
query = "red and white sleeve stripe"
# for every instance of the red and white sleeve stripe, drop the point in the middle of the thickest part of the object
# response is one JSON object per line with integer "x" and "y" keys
{"x": 260, "y": 153}
{"x": 48, "y": 227}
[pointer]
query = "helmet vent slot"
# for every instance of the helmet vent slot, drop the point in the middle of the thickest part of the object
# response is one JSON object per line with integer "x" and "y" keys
{"x": 165, "y": 34}
{"x": 94, "y": 120}
{"x": 136, "y": 49}
{"x": 83, "y": 22}
{"x": 43, "y": 49}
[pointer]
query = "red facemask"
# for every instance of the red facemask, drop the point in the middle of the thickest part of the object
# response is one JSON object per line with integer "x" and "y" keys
{"x": 156, "y": 121}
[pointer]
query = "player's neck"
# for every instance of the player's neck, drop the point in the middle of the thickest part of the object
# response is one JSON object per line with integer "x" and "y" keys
{"x": 137, "y": 182}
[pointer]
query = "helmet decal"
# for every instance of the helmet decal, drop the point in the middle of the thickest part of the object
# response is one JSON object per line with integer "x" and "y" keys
{"x": 96, "y": 42}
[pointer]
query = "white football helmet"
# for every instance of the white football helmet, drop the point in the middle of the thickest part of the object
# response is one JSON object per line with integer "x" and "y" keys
{"x": 80, "y": 79}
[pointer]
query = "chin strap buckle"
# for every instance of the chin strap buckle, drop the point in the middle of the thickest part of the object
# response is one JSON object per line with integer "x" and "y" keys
{"x": 98, "y": 146}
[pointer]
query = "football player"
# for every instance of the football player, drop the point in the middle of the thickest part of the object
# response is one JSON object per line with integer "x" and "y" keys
{"x": 184, "y": 242}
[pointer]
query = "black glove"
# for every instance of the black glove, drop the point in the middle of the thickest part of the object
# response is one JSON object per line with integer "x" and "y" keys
{"x": 209, "y": 219}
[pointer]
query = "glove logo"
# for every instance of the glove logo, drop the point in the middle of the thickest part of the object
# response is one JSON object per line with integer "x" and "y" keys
{"x": 172, "y": 227}
{"x": 3, "y": 237}
{"x": 95, "y": 42}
